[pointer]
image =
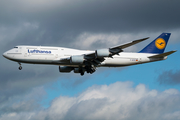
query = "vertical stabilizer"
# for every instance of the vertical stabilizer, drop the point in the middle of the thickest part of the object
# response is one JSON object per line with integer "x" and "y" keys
{"x": 158, "y": 45}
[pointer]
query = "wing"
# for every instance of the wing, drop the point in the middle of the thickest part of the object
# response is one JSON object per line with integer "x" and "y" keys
{"x": 90, "y": 61}
{"x": 96, "y": 58}
{"x": 117, "y": 49}
{"x": 129, "y": 44}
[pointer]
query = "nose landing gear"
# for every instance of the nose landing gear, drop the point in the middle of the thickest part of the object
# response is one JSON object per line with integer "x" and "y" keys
{"x": 20, "y": 67}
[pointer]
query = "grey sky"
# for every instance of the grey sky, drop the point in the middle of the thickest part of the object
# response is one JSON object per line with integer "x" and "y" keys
{"x": 49, "y": 23}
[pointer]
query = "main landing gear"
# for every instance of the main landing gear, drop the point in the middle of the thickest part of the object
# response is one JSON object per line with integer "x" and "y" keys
{"x": 20, "y": 67}
{"x": 82, "y": 73}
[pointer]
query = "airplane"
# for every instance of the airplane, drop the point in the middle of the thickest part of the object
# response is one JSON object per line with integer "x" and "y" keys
{"x": 81, "y": 61}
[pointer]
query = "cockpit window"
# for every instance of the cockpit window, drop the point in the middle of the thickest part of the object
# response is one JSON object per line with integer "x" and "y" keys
{"x": 15, "y": 47}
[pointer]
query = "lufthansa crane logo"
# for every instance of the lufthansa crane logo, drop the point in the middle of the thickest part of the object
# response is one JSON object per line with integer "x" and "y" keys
{"x": 160, "y": 43}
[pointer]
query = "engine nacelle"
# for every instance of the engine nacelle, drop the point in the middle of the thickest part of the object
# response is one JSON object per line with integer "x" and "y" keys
{"x": 79, "y": 59}
{"x": 65, "y": 69}
{"x": 102, "y": 53}
{"x": 79, "y": 70}
{"x": 76, "y": 70}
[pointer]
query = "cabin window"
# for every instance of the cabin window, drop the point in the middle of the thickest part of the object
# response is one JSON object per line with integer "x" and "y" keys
{"x": 15, "y": 47}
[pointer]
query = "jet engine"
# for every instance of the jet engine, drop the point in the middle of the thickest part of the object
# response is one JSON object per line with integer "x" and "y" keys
{"x": 102, "y": 53}
{"x": 79, "y": 59}
{"x": 65, "y": 69}
{"x": 79, "y": 70}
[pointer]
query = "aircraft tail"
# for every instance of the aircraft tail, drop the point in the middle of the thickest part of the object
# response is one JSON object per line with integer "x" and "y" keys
{"x": 158, "y": 45}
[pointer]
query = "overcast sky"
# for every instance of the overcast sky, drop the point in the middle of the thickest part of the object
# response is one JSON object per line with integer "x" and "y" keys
{"x": 149, "y": 91}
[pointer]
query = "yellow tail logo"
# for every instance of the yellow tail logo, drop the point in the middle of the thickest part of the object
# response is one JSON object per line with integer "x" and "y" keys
{"x": 160, "y": 43}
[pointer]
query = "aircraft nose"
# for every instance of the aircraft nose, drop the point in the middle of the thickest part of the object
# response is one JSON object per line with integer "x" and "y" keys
{"x": 5, "y": 54}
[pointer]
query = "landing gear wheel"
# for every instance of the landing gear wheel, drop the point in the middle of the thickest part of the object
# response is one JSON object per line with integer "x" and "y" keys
{"x": 82, "y": 73}
{"x": 20, "y": 67}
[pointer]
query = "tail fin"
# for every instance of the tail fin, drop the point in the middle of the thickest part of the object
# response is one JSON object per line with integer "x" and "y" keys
{"x": 158, "y": 45}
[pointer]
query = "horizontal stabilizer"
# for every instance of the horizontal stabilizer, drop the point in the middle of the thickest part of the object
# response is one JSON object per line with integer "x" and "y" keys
{"x": 162, "y": 55}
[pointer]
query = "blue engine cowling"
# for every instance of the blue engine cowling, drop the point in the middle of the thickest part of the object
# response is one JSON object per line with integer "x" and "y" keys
{"x": 78, "y": 59}
{"x": 102, "y": 53}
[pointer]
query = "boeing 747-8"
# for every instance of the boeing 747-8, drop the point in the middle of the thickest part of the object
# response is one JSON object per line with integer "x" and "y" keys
{"x": 81, "y": 61}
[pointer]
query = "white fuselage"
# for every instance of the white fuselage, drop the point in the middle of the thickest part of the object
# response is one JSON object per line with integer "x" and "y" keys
{"x": 54, "y": 56}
